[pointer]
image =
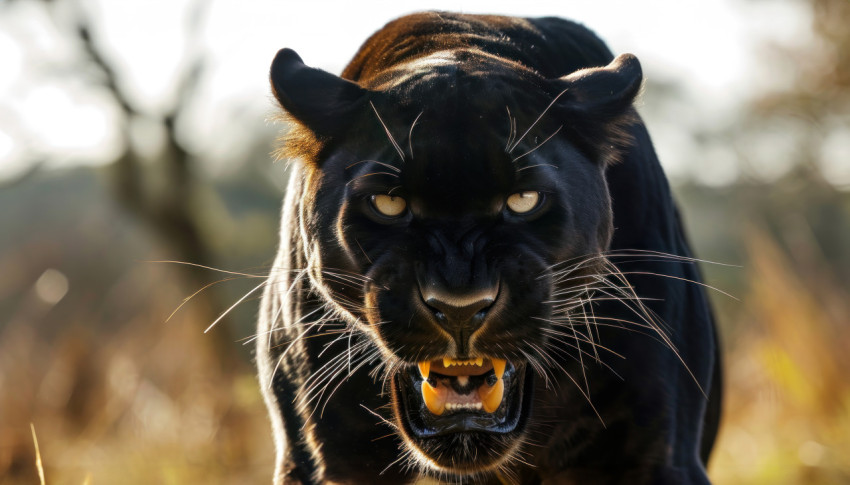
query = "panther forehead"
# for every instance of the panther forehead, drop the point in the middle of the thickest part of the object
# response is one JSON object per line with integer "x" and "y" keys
{"x": 451, "y": 136}
{"x": 419, "y": 68}
{"x": 451, "y": 67}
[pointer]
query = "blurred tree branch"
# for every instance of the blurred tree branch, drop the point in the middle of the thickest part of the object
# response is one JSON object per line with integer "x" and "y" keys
{"x": 161, "y": 193}
{"x": 167, "y": 208}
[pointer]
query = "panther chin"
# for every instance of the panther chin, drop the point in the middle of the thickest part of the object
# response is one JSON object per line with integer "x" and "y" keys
{"x": 463, "y": 416}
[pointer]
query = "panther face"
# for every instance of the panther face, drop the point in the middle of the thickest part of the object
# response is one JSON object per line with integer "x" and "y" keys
{"x": 467, "y": 195}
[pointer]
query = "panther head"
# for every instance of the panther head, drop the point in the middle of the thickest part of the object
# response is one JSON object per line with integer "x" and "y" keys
{"x": 466, "y": 196}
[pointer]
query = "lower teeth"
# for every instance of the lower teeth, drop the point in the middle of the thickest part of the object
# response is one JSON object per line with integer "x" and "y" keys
{"x": 466, "y": 406}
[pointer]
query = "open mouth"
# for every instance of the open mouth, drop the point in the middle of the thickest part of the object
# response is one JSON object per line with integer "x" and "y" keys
{"x": 446, "y": 395}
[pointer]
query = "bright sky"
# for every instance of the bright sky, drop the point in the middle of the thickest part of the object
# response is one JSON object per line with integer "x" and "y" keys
{"x": 47, "y": 111}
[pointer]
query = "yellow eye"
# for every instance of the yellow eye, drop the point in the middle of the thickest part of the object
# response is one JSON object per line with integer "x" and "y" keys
{"x": 389, "y": 205}
{"x": 522, "y": 202}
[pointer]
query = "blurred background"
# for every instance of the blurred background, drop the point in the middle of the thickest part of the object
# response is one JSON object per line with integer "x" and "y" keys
{"x": 135, "y": 132}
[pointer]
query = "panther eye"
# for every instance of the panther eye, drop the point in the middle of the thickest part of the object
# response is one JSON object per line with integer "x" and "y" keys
{"x": 389, "y": 205}
{"x": 523, "y": 202}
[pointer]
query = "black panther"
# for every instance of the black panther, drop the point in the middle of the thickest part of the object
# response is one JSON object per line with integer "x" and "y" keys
{"x": 482, "y": 275}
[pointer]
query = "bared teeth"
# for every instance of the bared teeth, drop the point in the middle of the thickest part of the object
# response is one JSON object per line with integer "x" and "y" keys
{"x": 490, "y": 393}
{"x": 449, "y": 362}
{"x": 499, "y": 367}
{"x": 471, "y": 406}
{"x": 424, "y": 369}
{"x": 491, "y": 397}
{"x": 435, "y": 400}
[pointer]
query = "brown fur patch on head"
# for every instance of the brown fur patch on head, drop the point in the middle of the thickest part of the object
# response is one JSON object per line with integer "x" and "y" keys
{"x": 296, "y": 141}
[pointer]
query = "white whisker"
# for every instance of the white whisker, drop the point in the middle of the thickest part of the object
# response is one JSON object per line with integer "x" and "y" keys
{"x": 387, "y": 131}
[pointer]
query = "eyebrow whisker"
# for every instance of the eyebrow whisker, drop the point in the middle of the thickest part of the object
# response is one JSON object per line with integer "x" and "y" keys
{"x": 369, "y": 175}
{"x": 387, "y": 165}
{"x": 537, "y": 120}
{"x": 410, "y": 134}
{"x": 539, "y": 145}
{"x": 387, "y": 130}
{"x": 511, "y": 129}
{"x": 537, "y": 165}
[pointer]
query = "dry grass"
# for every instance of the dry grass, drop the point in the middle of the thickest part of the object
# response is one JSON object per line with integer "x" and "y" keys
{"x": 38, "y": 465}
{"x": 788, "y": 395}
{"x": 146, "y": 402}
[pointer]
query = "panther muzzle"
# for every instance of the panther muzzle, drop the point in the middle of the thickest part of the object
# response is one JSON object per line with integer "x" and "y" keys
{"x": 445, "y": 396}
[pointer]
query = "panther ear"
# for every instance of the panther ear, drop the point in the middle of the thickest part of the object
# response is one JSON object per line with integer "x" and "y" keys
{"x": 317, "y": 99}
{"x": 597, "y": 105}
{"x": 602, "y": 91}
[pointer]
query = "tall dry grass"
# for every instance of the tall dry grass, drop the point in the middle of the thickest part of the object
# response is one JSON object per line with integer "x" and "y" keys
{"x": 787, "y": 407}
{"x": 133, "y": 400}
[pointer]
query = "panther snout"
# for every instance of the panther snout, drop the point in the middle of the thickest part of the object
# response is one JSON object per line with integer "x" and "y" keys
{"x": 460, "y": 314}
{"x": 455, "y": 313}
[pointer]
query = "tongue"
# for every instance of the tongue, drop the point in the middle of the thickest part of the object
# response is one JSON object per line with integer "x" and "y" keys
{"x": 440, "y": 397}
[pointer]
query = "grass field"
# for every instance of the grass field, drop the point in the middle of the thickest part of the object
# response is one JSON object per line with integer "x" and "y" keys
{"x": 150, "y": 402}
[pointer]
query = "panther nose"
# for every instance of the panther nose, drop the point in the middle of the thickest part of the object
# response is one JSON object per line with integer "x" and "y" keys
{"x": 460, "y": 315}
{"x": 458, "y": 312}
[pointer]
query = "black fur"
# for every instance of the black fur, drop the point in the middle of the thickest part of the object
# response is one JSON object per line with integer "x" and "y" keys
{"x": 455, "y": 113}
